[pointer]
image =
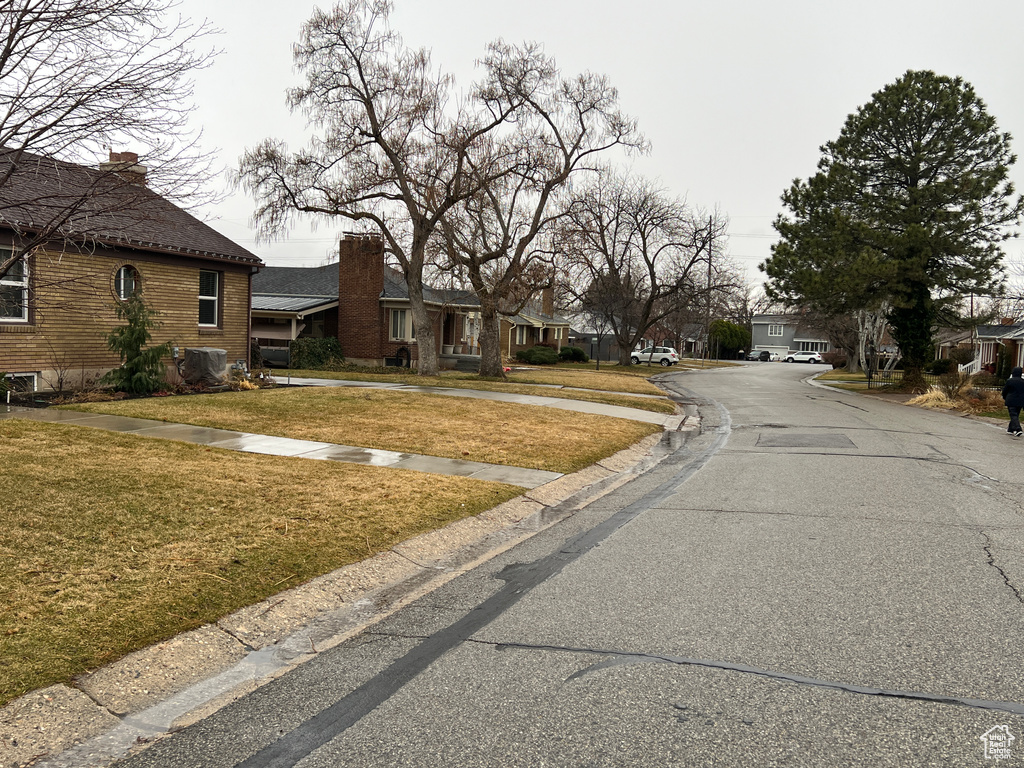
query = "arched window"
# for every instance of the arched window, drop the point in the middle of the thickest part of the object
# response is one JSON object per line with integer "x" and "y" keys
{"x": 126, "y": 282}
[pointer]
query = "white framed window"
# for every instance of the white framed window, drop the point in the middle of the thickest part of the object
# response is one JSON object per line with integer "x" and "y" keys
{"x": 209, "y": 298}
{"x": 402, "y": 328}
{"x": 776, "y": 330}
{"x": 520, "y": 334}
{"x": 814, "y": 346}
{"x": 21, "y": 382}
{"x": 14, "y": 289}
{"x": 126, "y": 282}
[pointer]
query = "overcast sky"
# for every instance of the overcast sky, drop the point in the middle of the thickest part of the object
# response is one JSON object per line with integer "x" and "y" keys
{"x": 736, "y": 97}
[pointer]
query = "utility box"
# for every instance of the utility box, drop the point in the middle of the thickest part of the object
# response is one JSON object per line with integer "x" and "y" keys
{"x": 205, "y": 365}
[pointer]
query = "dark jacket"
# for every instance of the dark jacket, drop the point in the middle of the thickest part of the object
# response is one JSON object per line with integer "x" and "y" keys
{"x": 1013, "y": 392}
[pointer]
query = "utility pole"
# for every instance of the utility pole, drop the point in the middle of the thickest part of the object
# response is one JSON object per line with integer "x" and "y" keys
{"x": 707, "y": 309}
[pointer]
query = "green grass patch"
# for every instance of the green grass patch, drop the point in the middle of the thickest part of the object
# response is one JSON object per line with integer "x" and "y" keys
{"x": 111, "y": 542}
{"x": 452, "y": 427}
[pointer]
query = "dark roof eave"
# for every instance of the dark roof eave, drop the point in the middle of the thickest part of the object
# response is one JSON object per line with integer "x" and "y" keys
{"x": 148, "y": 247}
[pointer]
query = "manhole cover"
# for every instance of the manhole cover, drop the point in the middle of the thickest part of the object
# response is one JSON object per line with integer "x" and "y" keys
{"x": 790, "y": 440}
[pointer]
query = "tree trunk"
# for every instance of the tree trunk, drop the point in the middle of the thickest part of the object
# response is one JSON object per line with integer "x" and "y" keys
{"x": 426, "y": 341}
{"x": 912, "y": 330}
{"x": 490, "y": 339}
{"x": 625, "y": 349}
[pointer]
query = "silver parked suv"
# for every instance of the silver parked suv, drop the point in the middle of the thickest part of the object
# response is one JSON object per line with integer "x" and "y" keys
{"x": 663, "y": 355}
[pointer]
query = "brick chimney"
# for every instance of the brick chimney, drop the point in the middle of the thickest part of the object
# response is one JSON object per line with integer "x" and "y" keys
{"x": 126, "y": 165}
{"x": 360, "y": 283}
{"x": 547, "y": 301}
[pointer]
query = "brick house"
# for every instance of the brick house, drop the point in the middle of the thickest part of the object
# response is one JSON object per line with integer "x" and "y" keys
{"x": 365, "y": 303}
{"x": 57, "y": 304}
{"x": 536, "y": 323}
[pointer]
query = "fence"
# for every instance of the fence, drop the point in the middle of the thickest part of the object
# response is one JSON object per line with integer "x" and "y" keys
{"x": 878, "y": 379}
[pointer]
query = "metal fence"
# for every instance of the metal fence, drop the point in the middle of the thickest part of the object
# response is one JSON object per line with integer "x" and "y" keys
{"x": 879, "y": 379}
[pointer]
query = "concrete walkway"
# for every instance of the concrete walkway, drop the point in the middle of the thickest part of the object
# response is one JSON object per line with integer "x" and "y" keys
{"x": 668, "y": 421}
{"x": 285, "y": 446}
{"x": 310, "y": 449}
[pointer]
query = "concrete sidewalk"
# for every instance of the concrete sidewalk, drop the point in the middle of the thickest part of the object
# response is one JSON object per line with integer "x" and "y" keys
{"x": 668, "y": 421}
{"x": 284, "y": 446}
{"x": 309, "y": 449}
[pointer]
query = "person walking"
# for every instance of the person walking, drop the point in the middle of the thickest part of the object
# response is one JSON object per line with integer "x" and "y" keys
{"x": 1013, "y": 396}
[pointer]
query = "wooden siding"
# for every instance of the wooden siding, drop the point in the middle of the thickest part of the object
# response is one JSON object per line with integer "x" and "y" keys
{"x": 72, "y": 311}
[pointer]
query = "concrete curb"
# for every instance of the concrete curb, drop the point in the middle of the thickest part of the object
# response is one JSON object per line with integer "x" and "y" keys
{"x": 160, "y": 689}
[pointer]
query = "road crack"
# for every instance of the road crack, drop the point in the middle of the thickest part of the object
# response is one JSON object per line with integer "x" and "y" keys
{"x": 992, "y": 562}
{"x": 629, "y": 657}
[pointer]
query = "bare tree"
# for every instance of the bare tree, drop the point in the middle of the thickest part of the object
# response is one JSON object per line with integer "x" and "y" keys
{"x": 560, "y": 126}
{"x": 392, "y": 148}
{"x": 632, "y": 250}
{"x": 81, "y": 76}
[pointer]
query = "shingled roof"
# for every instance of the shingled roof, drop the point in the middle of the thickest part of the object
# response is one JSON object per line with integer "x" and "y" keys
{"x": 323, "y": 282}
{"x": 96, "y": 207}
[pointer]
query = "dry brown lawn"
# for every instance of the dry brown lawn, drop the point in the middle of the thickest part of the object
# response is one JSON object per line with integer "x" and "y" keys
{"x": 612, "y": 383}
{"x": 110, "y": 542}
{"x": 452, "y": 427}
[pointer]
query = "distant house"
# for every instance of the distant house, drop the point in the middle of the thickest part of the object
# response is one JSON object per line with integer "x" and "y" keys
{"x": 536, "y": 323}
{"x": 365, "y": 304}
{"x": 293, "y": 302}
{"x": 785, "y": 333}
{"x": 57, "y": 305}
{"x": 989, "y": 339}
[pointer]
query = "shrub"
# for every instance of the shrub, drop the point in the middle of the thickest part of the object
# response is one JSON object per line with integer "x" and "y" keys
{"x": 835, "y": 358}
{"x": 315, "y": 354}
{"x": 987, "y": 380}
{"x": 573, "y": 355}
{"x": 940, "y": 367}
{"x": 953, "y": 384}
{"x": 141, "y": 371}
{"x": 255, "y": 356}
{"x": 539, "y": 355}
{"x": 1004, "y": 364}
{"x": 961, "y": 355}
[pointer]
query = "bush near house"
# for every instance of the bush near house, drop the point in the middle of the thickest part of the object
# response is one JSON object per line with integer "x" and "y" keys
{"x": 573, "y": 355}
{"x": 835, "y": 359}
{"x": 539, "y": 355}
{"x": 142, "y": 370}
{"x": 940, "y": 367}
{"x": 315, "y": 354}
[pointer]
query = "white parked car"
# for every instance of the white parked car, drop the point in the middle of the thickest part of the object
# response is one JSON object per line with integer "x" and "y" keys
{"x": 804, "y": 357}
{"x": 665, "y": 356}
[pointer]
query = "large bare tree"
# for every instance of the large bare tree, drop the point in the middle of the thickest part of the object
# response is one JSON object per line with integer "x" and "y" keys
{"x": 392, "y": 145}
{"x": 560, "y": 126}
{"x": 632, "y": 252}
{"x": 78, "y": 77}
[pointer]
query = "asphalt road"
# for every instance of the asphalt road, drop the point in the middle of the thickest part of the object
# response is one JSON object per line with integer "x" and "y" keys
{"x": 819, "y": 579}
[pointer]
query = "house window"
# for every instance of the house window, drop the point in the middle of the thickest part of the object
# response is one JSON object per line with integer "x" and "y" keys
{"x": 126, "y": 282}
{"x": 520, "y": 334}
{"x": 401, "y": 325}
{"x": 814, "y": 346}
{"x": 19, "y": 382}
{"x": 775, "y": 330}
{"x": 14, "y": 289}
{"x": 209, "y": 298}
